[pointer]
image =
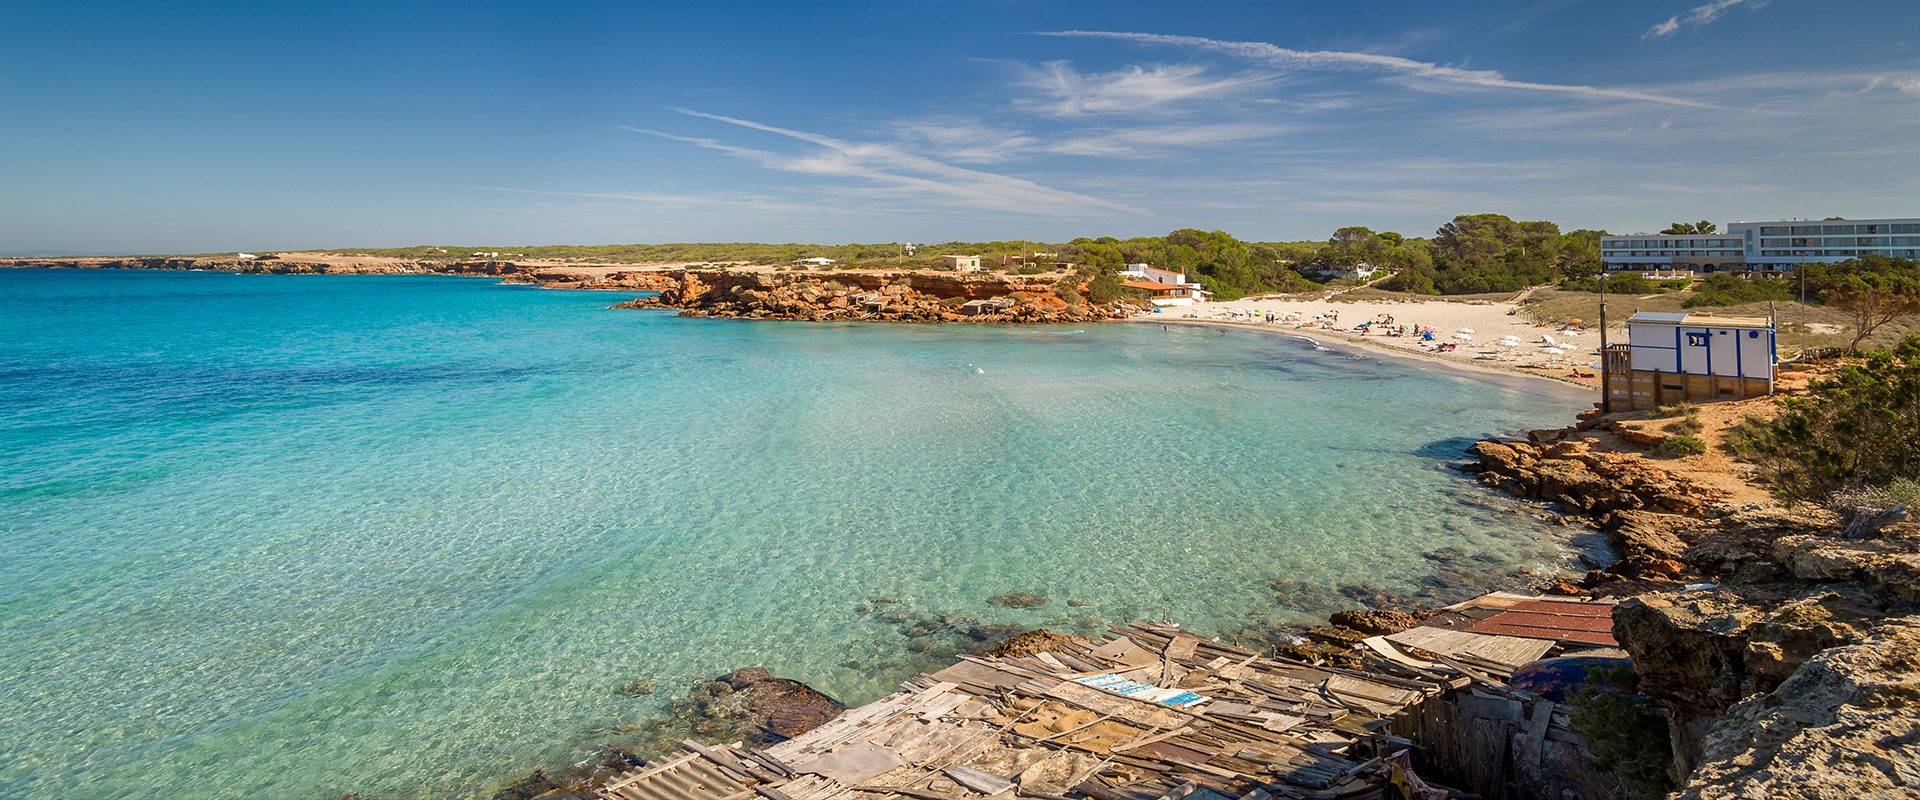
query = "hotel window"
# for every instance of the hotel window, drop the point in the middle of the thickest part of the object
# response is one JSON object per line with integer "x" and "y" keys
{"x": 1839, "y": 229}
{"x": 1869, "y": 229}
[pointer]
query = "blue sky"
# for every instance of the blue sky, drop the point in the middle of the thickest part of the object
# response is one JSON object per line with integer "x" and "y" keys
{"x": 172, "y": 127}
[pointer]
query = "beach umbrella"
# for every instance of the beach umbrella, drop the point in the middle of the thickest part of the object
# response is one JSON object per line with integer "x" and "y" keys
{"x": 1463, "y": 337}
{"x": 1548, "y": 338}
{"x": 1555, "y": 350}
{"x": 1573, "y": 321}
{"x": 1464, "y": 330}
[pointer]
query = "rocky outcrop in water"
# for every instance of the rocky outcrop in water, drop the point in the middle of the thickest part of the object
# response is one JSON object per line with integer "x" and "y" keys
{"x": 1585, "y": 479}
{"x": 881, "y": 297}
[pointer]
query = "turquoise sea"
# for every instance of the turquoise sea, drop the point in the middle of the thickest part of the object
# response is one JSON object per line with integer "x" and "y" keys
{"x": 294, "y": 536}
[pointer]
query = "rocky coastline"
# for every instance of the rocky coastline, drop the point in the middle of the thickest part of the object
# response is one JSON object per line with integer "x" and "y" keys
{"x": 882, "y": 297}
{"x": 714, "y": 290}
{"x": 1784, "y": 654}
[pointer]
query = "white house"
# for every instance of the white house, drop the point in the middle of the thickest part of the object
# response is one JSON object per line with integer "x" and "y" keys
{"x": 1163, "y": 294}
{"x": 816, "y": 261}
{"x": 1141, "y": 273}
{"x": 961, "y": 263}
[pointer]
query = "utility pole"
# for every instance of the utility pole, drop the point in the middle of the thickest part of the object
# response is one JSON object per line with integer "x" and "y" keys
{"x": 1606, "y": 392}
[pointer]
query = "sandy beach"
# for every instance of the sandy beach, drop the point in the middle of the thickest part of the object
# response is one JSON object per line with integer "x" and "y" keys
{"x": 1499, "y": 336}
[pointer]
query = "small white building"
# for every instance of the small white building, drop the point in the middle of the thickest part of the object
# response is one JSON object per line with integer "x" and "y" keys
{"x": 1357, "y": 272}
{"x": 1163, "y": 294}
{"x": 1702, "y": 344}
{"x": 1195, "y": 292}
{"x": 1673, "y": 355}
{"x": 961, "y": 263}
{"x": 816, "y": 261}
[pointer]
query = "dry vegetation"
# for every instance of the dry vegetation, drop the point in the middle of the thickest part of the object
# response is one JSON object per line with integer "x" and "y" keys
{"x": 1801, "y": 326}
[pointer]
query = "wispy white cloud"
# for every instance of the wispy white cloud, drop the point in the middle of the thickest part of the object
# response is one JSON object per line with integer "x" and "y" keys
{"x": 1266, "y": 53}
{"x": 907, "y": 173}
{"x": 1063, "y": 91}
{"x": 1699, "y": 16}
{"x": 1148, "y": 141}
{"x": 744, "y": 202}
{"x": 955, "y": 138}
{"x": 974, "y": 143}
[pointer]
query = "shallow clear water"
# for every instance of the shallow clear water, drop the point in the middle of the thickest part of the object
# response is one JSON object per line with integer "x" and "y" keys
{"x": 289, "y": 536}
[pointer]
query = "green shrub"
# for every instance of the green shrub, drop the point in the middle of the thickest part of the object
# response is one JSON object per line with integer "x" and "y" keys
{"x": 1729, "y": 290}
{"x": 1680, "y": 409}
{"x": 1683, "y": 444}
{"x": 1621, "y": 282}
{"x": 1624, "y": 731}
{"x": 1857, "y": 429}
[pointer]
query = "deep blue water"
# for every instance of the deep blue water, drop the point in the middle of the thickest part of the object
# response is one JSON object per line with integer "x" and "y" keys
{"x": 293, "y": 536}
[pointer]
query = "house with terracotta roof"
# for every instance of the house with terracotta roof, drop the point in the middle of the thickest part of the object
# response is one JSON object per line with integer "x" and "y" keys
{"x": 1163, "y": 294}
{"x": 1153, "y": 280}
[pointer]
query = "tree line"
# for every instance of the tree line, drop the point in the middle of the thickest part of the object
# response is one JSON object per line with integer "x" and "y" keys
{"x": 1471, "y": 254}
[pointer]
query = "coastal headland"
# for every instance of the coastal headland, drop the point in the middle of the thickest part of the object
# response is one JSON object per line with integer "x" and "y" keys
{"x": 904, "y": 295}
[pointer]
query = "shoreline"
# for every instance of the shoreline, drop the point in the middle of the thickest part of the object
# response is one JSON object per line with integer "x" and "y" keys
{"x": 1414, "y": 358}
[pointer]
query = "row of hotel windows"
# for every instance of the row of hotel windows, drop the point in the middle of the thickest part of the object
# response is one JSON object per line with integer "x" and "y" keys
{"x": 1665, "y": 253}
{"x": 1816, "y": 230}
{"x": 1846, "y": 241}
{"x": 1896, "y": 253}
{"x": 1685, "y": 244}
{"x": 1904, "y": 253}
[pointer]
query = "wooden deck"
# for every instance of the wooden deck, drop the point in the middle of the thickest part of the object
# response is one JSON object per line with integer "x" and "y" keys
{"x": 1153, "y": 713}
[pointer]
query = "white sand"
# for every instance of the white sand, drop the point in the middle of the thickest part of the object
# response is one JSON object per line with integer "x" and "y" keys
{"x": 1488, "y": 321}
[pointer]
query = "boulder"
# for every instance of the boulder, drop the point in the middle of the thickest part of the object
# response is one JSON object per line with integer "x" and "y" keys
{"x": 1844, "y": 726}
{"x": 1689, "y": 649}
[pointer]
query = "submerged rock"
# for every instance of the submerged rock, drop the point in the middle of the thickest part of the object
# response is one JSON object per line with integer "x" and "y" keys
{"x": 1017, "y": 600}
{"x": 1038, "y": 640}
{"x": 1378, "y": 622}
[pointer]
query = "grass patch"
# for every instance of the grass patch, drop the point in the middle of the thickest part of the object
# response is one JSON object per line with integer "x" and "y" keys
{"x": 1684, "y": 444}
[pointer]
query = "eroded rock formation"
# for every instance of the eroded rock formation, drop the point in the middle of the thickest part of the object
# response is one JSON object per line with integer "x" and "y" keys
{"x": 881, "y": 296}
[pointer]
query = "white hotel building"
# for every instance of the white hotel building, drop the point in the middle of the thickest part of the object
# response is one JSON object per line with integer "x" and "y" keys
{"x": 1764, "y": 246}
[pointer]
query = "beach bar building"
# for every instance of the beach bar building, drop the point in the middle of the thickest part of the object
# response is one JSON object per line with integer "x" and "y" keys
{"x": 1675, "y": 356}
